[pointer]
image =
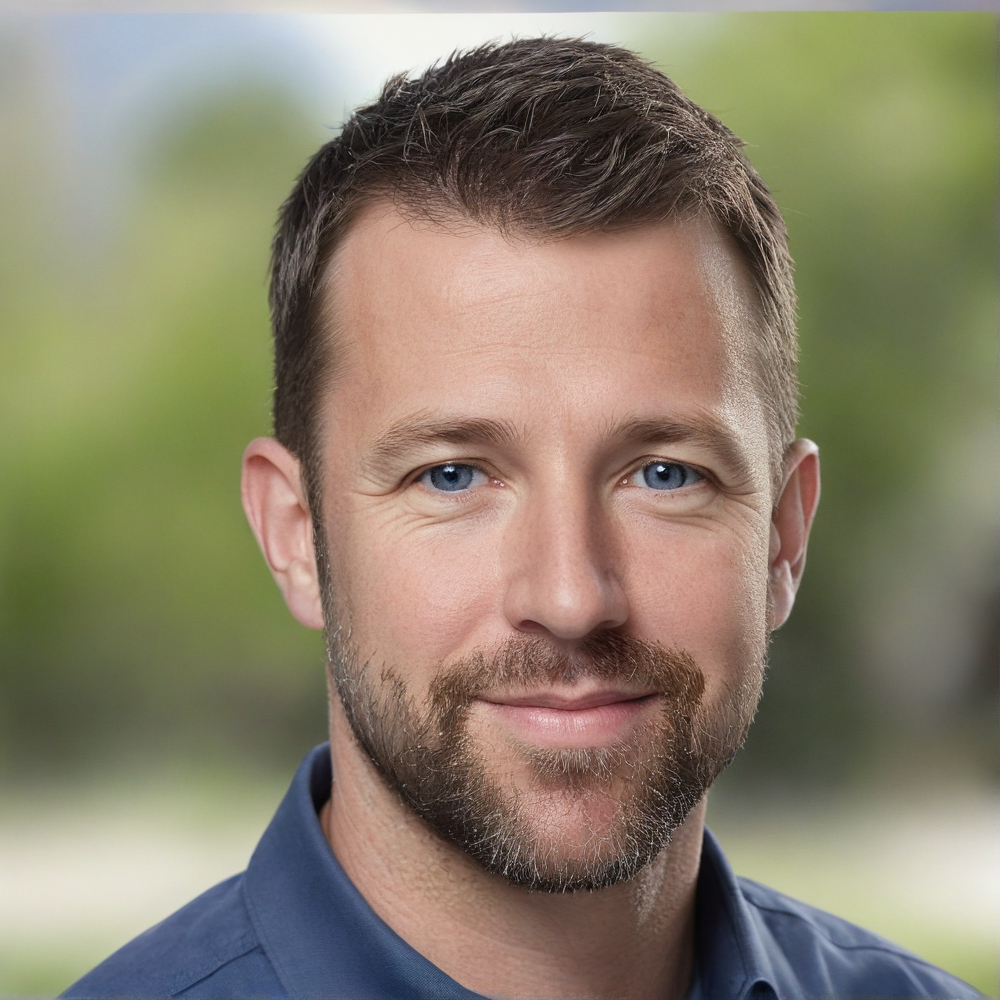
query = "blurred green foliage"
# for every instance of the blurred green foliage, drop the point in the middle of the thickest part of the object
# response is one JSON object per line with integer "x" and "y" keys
{"x": 137, "y": 616}
{"x": 137, "y": 620}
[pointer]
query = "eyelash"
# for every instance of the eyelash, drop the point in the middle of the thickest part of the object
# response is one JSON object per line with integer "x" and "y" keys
{"x": 478, "y": 466}
{"x": 622, "y": 480}
{"x": 700, "y": 474}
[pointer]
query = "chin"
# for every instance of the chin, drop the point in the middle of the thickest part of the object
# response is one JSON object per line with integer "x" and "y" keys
{"x": 579, "y": 832}
{"x": 574, "y": 825}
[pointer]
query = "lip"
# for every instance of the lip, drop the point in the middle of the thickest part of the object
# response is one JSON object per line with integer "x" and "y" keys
{"x": 561, "y": 720}
{"x": 568, "y": 703}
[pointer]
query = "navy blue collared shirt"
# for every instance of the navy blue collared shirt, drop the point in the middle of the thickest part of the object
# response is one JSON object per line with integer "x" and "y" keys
{"x": 294, "y": 926}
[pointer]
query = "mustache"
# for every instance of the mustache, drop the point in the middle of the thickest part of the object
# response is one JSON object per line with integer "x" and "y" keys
{"x": 531, "y": 661}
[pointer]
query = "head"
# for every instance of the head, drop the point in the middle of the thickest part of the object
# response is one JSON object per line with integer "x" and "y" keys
{"x": 535, "y": 469}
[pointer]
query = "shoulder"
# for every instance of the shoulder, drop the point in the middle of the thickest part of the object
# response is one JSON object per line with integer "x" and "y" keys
{"x": 207, "y": 949}
{"x": 828, "y": 956}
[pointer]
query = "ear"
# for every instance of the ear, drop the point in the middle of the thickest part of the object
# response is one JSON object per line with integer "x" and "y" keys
{"x": 276, "y": 507}
{"x": 791, "y": 520}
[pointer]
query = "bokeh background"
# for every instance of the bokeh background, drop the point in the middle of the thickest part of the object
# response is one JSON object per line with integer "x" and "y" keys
{"x": 155, "y": 695}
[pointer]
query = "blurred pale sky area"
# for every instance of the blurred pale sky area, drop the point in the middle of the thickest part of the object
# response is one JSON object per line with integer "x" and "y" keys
{"x": 116, "y": 74}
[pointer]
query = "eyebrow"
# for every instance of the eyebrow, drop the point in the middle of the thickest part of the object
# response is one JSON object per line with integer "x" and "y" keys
{"x": 704, "y": 430}
{"x": 397, "y": 442}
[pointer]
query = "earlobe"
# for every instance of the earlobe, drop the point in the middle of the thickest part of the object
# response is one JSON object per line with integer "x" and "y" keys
{"x": 276, "y": 507}
{"x": 791, "y": 521}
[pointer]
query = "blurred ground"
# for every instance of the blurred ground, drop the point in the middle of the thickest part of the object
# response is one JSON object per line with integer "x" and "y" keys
{"x": 922, "y": 871}
{"x": 86, "y": 869}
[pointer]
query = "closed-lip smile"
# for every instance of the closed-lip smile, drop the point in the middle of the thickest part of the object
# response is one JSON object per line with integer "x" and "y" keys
{"x": 568, "y": 702}
{"x": 566, "y": 720}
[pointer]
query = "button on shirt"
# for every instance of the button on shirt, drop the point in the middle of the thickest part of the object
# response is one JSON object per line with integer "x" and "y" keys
{"x": 294, "y": 926}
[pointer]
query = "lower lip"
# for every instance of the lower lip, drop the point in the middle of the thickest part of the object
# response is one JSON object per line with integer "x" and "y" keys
{"x": 572, "y": 729}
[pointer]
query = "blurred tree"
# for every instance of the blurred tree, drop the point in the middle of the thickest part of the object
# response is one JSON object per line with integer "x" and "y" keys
{"x": 136, "y": 617}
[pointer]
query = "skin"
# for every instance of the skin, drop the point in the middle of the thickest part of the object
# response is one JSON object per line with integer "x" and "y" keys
{"x": 596, "y": 355}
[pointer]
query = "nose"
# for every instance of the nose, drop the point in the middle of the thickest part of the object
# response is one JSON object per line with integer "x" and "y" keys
{"x": 561, "y": 574}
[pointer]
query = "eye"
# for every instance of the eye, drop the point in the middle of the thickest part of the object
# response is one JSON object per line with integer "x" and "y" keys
{"x": 452, "y": 478}
{"x": 664, "y": 476}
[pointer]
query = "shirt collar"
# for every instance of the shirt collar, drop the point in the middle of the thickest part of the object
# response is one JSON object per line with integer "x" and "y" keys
{"x": 731, "y": 958}
{"x": 316, "y": 928}
{"x": 325, "y": 940}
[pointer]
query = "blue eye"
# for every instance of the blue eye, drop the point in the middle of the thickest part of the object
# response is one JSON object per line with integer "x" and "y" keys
{"x": 667, "y": 475}
{"x": 452, "y": 478}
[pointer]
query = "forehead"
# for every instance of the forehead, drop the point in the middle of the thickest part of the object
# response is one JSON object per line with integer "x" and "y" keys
{"x": 599, "y": 326}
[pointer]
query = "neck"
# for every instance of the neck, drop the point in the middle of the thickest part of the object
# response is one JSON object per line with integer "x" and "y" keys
{"x": 633, "y": 940}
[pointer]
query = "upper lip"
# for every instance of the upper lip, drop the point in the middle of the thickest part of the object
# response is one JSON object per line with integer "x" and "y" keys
{"x": 567, "y": 702}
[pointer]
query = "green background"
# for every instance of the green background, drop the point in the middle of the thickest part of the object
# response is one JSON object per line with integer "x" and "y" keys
{"x": 139, "y": 630}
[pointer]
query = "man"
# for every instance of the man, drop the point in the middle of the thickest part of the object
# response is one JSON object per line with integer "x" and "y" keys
{"x": 535, "y": 474}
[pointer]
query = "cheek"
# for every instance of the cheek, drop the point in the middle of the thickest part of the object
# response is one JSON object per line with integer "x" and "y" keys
{"x": 705, "y": 591}
{"x": 414, "y": 597}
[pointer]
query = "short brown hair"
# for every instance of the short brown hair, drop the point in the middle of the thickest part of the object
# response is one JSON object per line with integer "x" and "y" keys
{"x": 543, "y": 137}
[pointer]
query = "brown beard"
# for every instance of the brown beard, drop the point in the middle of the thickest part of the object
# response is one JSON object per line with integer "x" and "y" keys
{"x": 654, "y": 776}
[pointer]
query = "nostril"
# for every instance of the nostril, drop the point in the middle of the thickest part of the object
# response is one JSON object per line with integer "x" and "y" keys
{"x": 530, "y": 626}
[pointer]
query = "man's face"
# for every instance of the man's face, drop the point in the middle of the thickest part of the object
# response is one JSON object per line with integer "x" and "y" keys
{"x": 546, "y": 507}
